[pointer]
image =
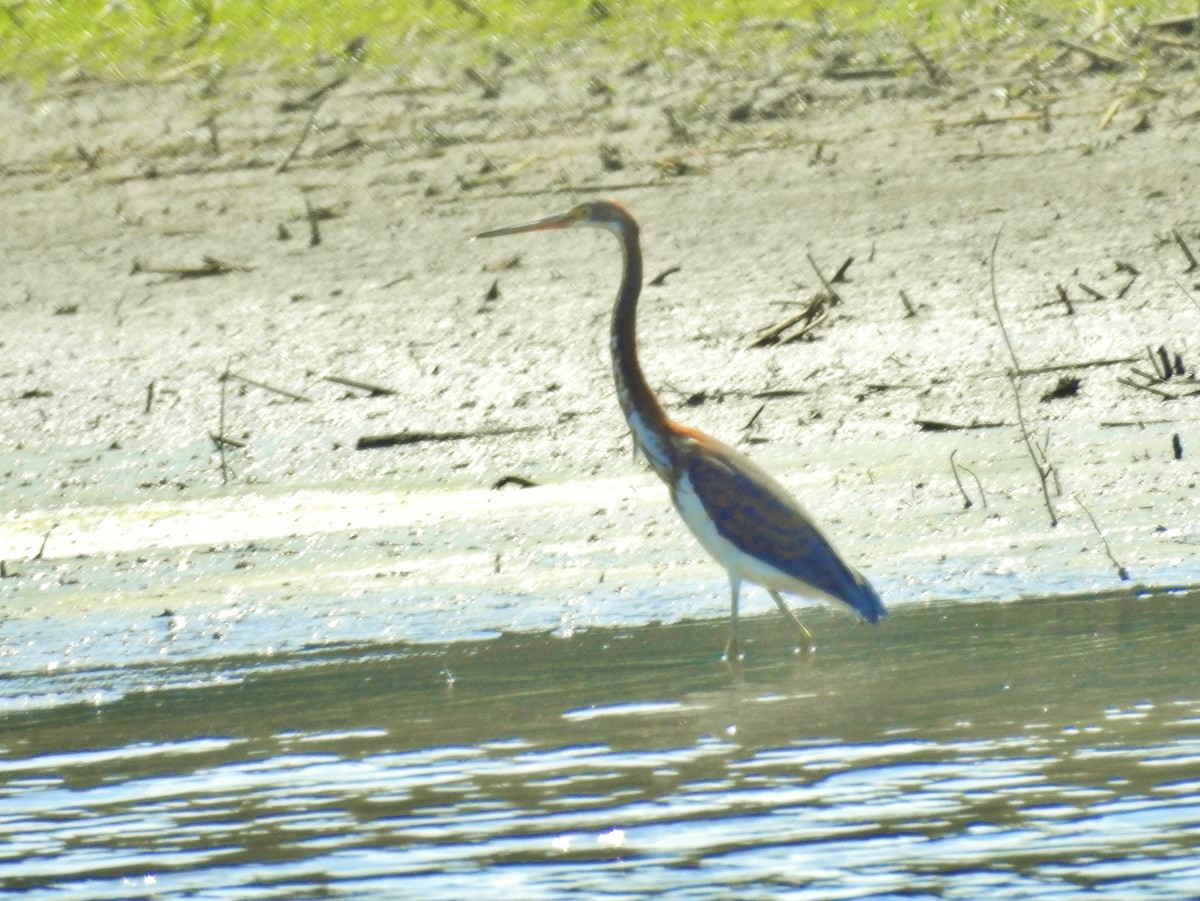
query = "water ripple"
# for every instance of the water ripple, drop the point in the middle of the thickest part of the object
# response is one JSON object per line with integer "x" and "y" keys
{"x": 364, "y": 774}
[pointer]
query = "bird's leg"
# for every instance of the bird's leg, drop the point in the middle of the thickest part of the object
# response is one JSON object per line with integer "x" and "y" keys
{"x": 807, "y": 645}
{"x": 733, "y": 647}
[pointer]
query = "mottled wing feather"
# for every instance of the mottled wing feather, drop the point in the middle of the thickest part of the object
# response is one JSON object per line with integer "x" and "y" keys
{"x": 760, "y": 517}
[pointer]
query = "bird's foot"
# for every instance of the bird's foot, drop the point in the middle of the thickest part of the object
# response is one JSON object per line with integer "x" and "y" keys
{"x": 805, "y": 644}
{"x": 733, "y": 651}
{"x": 804, "y": 638}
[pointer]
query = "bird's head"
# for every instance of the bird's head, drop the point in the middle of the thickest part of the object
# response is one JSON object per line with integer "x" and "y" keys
{"x": 610, "y": 215}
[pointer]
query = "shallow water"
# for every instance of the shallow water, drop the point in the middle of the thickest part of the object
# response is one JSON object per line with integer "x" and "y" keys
{"x": 1045, "y": 748}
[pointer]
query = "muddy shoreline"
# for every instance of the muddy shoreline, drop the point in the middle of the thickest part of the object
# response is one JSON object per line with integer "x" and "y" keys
{"x": 149, "y": 252}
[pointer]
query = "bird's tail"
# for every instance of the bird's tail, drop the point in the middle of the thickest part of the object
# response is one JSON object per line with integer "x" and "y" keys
{"x": 865, "y": 600}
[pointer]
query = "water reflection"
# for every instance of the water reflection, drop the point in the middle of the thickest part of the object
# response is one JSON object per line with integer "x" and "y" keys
{"x": 1047, "y": 748}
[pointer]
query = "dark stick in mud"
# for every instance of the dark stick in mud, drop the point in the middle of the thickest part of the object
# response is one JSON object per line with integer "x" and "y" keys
{"x": 967, "y": 502}
{"x": 400, "y": 439}
{"x": 314, "y": 227}
{"x": 1165, "y": 395}
{"x": 1016, "y": 367}
{"x": 1043, "y": 467}
{"x": 41, "y": 552}
{"x": 1187, "y": 251}
{"x": 304, "y": 132}
{"x": 373, "y": 390}
{"x": 224, "y": 380}
{"x": 955, "y": 466}
{"x": 1062, "y": 295}
{"x": 282, "y": 392}
{"x": 1121, "y": 570}
{"x": 825, "y": 283}
{"x": 812, "y": 315}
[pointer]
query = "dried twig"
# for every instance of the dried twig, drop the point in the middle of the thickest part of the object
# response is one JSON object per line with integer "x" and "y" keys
{"x": 935, "y": 72}
{"x": 1113, "y": 109}
{"x": 983, "y": 120}
{"x": 967, "y": 502}
{"x": 314, "y": 228}
{"x": 1124, "y": 289}
{"x": 836, "y": 298}
{"x": 210, "y": 266}
{"x": 1044, "y": 453}
{"x": 519, "y": 481}
{"x": 978, "y": 484}
{"x": 1043, "y": 467}
{"x": 1187, "y": 251}
{"x": 1062, "y": 295}
{"x": 223, "y": 441}
{"x": 317, "y": 103}
{"x": 283, "y": 392}
{"x": 854, "y": 73}
{"x": 41, "y": 552}
{"x": 1133, "y": 423}
{"x": 816, "y": 319}
{"x": 1099, "y": 58}
{"x": 316, "y": 96}
{"x": 214, "y": 135}
{"x": 491, "y": 90}
{"x": 400, "y": 439}
{"x": 938, "y": 425}
{"x": 1165, "y": 359}
{"x": 1188, "y": 294}
{"x": 812, "y": 316}
{"x": 1185, "y": 24}
{"x": 753, "y": 419}
{"x": 224, "y": 380}
{"x": 1121, "y": 570}
{"x": 774, "y": 393}
{"x": 1083, "y": 364}
{"x": 1165, "y": 395}
{"x": 1016, "y": 367}
{"x": 373, "y": 390}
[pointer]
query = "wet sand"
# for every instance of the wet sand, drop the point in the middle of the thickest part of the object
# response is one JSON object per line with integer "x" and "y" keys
{"x": 118, "y": 331}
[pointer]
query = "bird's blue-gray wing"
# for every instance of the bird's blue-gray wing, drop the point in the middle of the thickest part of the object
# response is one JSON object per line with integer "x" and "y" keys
{"x": 760, "y": 517}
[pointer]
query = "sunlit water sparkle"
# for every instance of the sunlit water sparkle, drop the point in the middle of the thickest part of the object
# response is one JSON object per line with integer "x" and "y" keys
{"x": 1047, "y": 748}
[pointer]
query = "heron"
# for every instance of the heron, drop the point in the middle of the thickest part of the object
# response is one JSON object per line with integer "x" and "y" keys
{"x": 745, "y": 519}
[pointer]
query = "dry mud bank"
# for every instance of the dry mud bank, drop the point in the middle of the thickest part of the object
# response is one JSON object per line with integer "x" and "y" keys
{"x": 171, "y": 248}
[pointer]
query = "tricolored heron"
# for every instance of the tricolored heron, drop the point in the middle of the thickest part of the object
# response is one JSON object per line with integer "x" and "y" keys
{"x": 745, "y": 519}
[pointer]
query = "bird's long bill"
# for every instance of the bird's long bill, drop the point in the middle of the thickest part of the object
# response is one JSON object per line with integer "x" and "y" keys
{"x": 562, "y": 220}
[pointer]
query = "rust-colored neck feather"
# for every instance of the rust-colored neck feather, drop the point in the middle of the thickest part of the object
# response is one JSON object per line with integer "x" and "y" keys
{"x": 643, "y": 412}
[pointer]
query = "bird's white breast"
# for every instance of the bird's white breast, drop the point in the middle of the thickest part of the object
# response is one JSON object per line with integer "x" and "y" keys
{"x": 726, "y": 552}
{"x": 705, "y": 530}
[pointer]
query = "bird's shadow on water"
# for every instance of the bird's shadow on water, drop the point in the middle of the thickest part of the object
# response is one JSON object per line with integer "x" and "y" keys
{"x": 964, "y": 669}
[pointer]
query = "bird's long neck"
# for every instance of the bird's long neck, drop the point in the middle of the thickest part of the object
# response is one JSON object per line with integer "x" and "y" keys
{"x": 643, "y": 412}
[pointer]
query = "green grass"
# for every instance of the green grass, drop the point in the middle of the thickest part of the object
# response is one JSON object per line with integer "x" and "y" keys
{"x": 139, "y": 38}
